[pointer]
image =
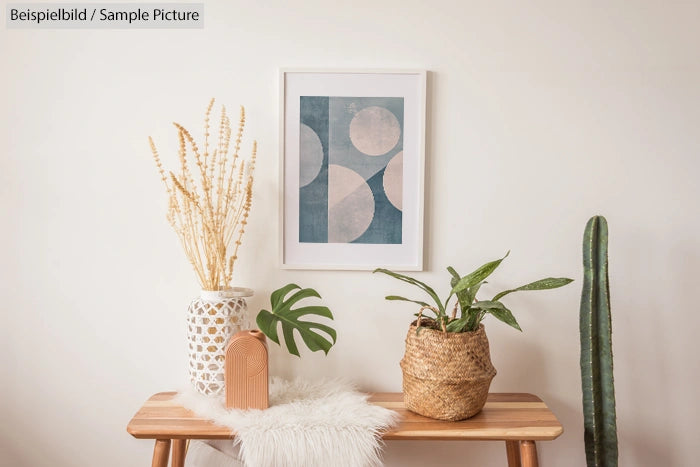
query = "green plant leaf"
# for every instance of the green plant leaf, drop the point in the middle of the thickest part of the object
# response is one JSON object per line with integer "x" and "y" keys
{"x": 282, "y": 313}
{"x": 464, "y": 297}
{"x": 267, "y": 324}
{"x": 279, "y": 294}
{"x": 473, "y": 316}
{"x": 457, "y": 325}
{"x": 488, "y": 305}
{"x": 542, "y": 284}
{"x": 453, "y": 282}
{"x": 417, "y": 283}
{"x": 455, "y": 277}
{"x": 310, "y": 310}
{"x": 404, "y": 299}
{"x": 477, "y": 276}
{"x": 473, "y": 290}
{"x": 504, "y": 314}
{"x": 286, "y": 305}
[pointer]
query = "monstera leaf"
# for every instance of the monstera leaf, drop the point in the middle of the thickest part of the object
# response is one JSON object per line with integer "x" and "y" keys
{"x": 282, "y": 312}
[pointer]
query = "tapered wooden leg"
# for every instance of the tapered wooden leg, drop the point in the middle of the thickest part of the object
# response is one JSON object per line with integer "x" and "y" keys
{"x": 513, "y": 453}
{"x": 161, "y": 452}
{"x": 179, "y": 452}
{"x": 528, "y": 454}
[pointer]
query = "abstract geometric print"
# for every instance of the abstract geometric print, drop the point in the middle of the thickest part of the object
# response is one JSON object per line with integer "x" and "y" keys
{"x": 351, "y": 169}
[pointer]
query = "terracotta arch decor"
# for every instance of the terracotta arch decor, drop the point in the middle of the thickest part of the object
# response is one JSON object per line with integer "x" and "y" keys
{"x": 247, "y": 371}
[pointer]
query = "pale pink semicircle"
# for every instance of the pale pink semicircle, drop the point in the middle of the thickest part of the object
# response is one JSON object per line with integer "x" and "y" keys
{"x": 374, "y": 131}
{"x": 310, "y": 155}
{"x": 393, "y": 181}
{"x": 341, "y": 183}
{"x": 350, "y": 204}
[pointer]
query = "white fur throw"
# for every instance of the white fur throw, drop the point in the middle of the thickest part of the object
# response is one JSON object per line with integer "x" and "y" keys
{"x": 323, "y": 424}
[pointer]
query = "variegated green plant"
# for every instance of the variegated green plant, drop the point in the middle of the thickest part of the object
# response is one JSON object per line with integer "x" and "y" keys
{"x": 471, "y": 310}
{"x": 281, "y": 312}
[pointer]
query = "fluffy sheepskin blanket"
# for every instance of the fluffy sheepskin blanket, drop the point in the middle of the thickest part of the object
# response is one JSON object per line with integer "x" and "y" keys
{"x": 326, "y": 423}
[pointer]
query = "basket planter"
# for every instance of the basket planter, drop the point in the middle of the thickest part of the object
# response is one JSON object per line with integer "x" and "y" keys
{"x": 446, "y": 375}
{"x": 212, "y": 319}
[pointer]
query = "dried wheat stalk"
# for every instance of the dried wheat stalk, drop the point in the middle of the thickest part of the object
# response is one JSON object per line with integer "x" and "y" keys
{"x": 210, "y": 209}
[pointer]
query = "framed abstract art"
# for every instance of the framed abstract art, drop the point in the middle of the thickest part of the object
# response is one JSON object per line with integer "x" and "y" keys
{"x": 352, "y": 169}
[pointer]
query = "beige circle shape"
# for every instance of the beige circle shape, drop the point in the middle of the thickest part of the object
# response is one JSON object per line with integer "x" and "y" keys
{"x": 393, "y": 181}
{"x": 350, "y": 204}
{"x": 310, "y": 155}
{"x": 374, "y": 131}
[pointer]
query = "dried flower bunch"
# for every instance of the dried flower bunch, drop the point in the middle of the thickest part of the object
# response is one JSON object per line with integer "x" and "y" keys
{"x": 208, "y": 210}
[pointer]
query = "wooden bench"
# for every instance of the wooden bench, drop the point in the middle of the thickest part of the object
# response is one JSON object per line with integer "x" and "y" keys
{"x": 518, "y": 419}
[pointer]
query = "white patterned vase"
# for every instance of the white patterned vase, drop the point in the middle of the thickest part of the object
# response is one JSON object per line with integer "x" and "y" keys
{"x": 211, "y": 320}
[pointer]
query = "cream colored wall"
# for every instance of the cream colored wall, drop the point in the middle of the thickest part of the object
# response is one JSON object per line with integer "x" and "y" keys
{"x": 539, "y": 116}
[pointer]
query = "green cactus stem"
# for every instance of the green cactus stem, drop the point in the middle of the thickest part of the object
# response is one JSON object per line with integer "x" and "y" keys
{"x": 600, "y": 426}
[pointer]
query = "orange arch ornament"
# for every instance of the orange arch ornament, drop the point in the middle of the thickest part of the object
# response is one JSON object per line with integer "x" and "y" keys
{"x": 246, "y": 373}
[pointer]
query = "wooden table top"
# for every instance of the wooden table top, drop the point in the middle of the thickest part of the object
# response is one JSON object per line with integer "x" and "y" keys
{"x": 506, "y": 416}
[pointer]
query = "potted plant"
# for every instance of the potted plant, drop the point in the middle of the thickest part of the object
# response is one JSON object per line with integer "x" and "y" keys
{"x": 447, "y": 366}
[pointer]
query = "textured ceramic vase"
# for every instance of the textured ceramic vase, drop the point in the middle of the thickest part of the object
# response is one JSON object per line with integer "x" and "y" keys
{"x": 247, "y": 371}
{"x": 212, "y": 319}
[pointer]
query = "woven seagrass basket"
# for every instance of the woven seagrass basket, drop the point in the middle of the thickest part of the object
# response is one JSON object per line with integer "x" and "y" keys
{"x": 446, "y": 375}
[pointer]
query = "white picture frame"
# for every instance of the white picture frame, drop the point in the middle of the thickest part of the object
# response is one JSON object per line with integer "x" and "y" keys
{"x": 382, "y": 108}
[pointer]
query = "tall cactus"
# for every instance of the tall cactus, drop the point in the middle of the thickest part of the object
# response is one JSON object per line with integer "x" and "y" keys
{"x": 600, "y": 427}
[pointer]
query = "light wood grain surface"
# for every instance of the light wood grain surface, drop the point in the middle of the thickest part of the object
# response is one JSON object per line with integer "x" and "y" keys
{"x": 506, "y": 416}
{"x": 161, "y": 452}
